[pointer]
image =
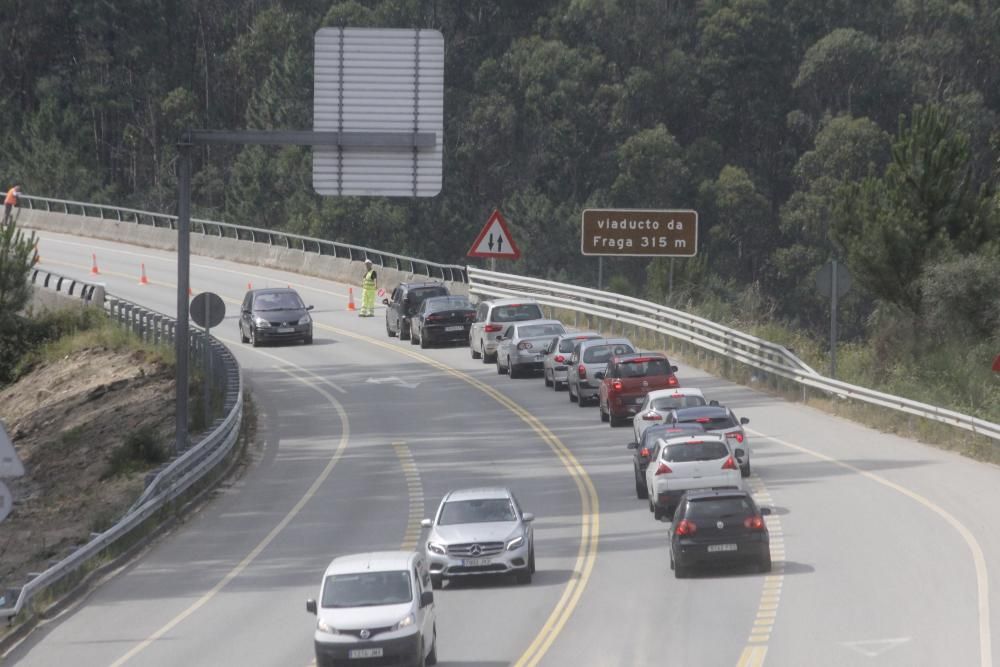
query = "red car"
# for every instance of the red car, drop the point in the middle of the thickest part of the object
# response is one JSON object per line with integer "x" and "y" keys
{"x": 627, "y": 380}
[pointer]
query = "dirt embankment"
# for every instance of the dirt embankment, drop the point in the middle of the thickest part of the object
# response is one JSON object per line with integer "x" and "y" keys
{"x": 67, "y": 419}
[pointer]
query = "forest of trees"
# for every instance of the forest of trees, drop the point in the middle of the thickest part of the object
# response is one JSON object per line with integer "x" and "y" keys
{"x": 799, "y": 129}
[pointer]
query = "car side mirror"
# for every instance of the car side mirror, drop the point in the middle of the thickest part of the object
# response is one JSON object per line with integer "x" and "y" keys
{"x": 673, "y": 369}
{"x": 527, "y": 517}
{"x": 744, "y": 420}
{"x": 632, "y": 445}
{"x": 599, "y": 375}
{"x": 426, "y": 523}
{"x": 713, "y": 402}
{"x": 311, "y": 606}
{"x": 765, "y": 511}
{"x": 739, "y": 453}
{"x": 385, "y": 302}
{"x": 310, "y": 307}
{"x": 426, "y": 599}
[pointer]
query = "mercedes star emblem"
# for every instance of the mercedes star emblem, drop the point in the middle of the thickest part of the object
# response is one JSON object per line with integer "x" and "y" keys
{"x": 476, "y": 550}
{"x": 720, "y": 525}
{"x": 365, "y": 634}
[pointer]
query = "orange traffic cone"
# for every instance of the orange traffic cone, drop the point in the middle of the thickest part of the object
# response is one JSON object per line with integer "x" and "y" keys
{"x": 249, "y": 286}
{"x": 143, "y": 280}
{"x": 93, "y": 269}
{"x": 190, "y": 291}
{"x": 350, "y": 299}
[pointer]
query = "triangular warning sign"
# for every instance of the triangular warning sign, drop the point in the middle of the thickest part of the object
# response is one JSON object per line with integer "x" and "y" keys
{"x": 10, "y": 465}
{"x": 495, "y": 240}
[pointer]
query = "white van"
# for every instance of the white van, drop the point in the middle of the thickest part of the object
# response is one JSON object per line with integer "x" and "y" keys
{"x": 376, "y": 606}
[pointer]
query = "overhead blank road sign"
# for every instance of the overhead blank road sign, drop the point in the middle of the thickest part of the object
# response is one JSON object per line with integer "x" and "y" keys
{"x": 379, "y": 81}
{"x": 639, "y": 232}
{"x": 495, "y": 241}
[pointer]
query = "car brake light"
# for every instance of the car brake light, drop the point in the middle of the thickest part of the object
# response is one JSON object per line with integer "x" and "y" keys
{"x": 644, "y": 451}
{"x": 652, "y": 417}
{"x": 672, "y": 381}
{"x": 559, "y": 358}
{"x": 663, "y": 469}
{"x": 617, "y": 385}
{"x": 686, "y": 527}
{"x": 730, "y": 464}
{"x": 754, "y": 522}
{"x": 524, "y": 345}
{"x": 581, "y": 370}
{"x": 493, "y": 328}
{"x": 735, "y": 434}
{"x": 703, "y": 420}
{"x": 470, "y": 316}
{"x": 433, "y": 317}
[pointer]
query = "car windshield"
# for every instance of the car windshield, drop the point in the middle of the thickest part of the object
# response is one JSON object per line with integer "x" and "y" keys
{"x": 686, "y": 452}
{"x": 671, "y": 402}
{"x": 716, "y": 508}
{"x": 517, "y": 313}
{"x": 367, "y": 589}
{"x": 599, "y": 354}
{"x": 711, "y": 423}
{"x": 535, "y": 330}
{"x": 448, "y": 303}
{"x": 640, "y": 368}
{"x": 567, "y": 344}
{"x": 278, "y": 301}
{"x": 485, "y": 510}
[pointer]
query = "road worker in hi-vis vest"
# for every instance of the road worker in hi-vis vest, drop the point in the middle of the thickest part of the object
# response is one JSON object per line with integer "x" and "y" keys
{"x": 368, "y": 286}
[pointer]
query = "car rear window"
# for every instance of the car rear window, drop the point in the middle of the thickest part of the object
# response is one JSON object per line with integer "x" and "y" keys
{"x": 711, "y": 423}
{"x": 685, "y": 452}
{"x": 517, "y": 312}
{"x": 446, "y": 302}
{"x": 533, "y": 330}
{"x": 716, "y": 508}
{"x": 598, "y": 354}
{"x": 567, "y": 344}
{"x": 671, "y": 402}
{"x": 640, "y": 368}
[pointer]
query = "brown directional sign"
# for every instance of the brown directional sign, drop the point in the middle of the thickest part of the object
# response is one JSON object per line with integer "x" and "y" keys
{"x": 639, "y": 232}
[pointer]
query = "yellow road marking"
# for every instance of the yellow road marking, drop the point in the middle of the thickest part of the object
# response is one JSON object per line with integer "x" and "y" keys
{"x": 752, "y": 656}
{"x": 978, "y": 559}
{"x": 263, "y": 544}
{"x": 415, "y": 489}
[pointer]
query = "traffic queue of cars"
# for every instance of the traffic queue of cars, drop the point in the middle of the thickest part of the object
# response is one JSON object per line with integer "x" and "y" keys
{"x": 690, "y": 456}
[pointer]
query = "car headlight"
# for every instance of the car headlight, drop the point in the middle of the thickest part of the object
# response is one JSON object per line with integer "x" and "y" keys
{"x": 436, "y": 548}
{"x": 304, "y": 319}
{"x": 323, "y": 626}
{"x": 261, "y": 322}
{"x": 515, "y": 543}
{"x": 405, "y": 623}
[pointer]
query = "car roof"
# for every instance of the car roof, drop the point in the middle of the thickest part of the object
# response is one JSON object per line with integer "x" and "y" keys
{"x": 582, "y": 335}
{"x": 631, "y": 356}
{"x": 272, "y": 290}
{"x": 606, "y": 341}
{"x": 698, "y": 437}
{"x": 676, "y": 391}
{"x": 701, "y": 494}
{"x": 373, "y": 561}
{"x": 480, "y": 493}
{"x": 535, "y": 322}
{"x": 423, "y": 283}
{"x": 685, "y": 428}
{"x": 702, "y": 411}
{"x": 509, "y": 301}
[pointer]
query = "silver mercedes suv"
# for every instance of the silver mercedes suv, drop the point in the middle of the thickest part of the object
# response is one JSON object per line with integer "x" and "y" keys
{"x": 480, "y": 531}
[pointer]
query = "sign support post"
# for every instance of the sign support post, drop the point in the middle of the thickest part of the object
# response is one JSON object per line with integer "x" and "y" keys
{"x": 181, "y": 334}
{"x": 833, "y": 320}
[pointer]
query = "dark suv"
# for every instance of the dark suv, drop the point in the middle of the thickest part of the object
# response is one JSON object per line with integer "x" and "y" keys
{"x": 405, "y": 302}
{"x": 272, "y": 315}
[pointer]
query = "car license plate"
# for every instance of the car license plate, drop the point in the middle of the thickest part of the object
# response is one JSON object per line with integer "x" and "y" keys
{"x": 475, "y": 562}
{"x": 458, "y": 328}
{"x": 365, "y": 653}
{"x": 286, "y": 329}
{"x": 721, "y": 547}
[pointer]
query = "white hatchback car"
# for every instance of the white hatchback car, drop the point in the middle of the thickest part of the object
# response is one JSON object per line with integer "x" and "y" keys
{"x": 375, "y": 608}
{"x": 689, "y": 462}
{"x": 660, "y": 402}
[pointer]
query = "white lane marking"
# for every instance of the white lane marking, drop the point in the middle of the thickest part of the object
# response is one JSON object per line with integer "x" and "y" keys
{"x": 978, "y": 558}
{"x": 873, "y": 648}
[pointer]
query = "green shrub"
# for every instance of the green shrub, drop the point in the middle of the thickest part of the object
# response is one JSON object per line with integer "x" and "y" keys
{"x": 143, "y": 448}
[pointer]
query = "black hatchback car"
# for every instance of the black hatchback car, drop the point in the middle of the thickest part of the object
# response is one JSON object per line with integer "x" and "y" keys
{"x": 641, "y": 450}
{"x": 405, "y": 301}
{"x": 442, "y": 319}
{"x": 274, "y": 315}
{"x": 716, "y": 527}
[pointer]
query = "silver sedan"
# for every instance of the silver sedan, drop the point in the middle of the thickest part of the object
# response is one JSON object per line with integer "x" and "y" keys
{"x": 521, "y": 347}
{"x": 555, "y": 366}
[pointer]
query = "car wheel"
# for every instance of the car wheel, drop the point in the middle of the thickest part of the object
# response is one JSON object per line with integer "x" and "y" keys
{"x": 421, "y": 658}
{"x": 671, "y": 560}
{"x": 414, "y": 339}
{"x": 745, "y": 469}
{"x": 437, "y": 581}
{"x": 472, "y": 350}
{"x": 548, "y": 381}
{"x": 681, "y": 572}
{"x": 308, "y": 340}
{"x": 572, "y": 397}
{"x": 531, "y": 561}
{"x": 640, "y": 489}
{"x": 524, "y": 577}
{"x": 604, "y": 415}
{"x": 580, "y": 400}
{"x": 423, "y": 341}
{"x": 482, "y": 353}
{"x": 253, "y": 338}
{"x": 500, "y": 369}
{"x": 512, "y": 370}
{"x": 432, "y": 657}
{"x": 658, "y": 512}
{"x": 556, "y": 385}
{"x": 765, "y": 564}
{"x": 615, "y": 421}
{"x": 389, "y": 332}
{"x": 243, "y": 336}
{"x": 651, "y": 508}
{"x": 404, "y": 333}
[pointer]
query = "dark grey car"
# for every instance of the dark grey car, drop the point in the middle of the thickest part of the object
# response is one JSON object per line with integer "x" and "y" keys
{"x": 589, "y": 357}
{"x": 276, "y": 314}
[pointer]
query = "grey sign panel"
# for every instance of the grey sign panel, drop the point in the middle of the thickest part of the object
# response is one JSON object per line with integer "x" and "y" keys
{"x": 824, "y": 279}
{"x": 6, "y": 501}
{"x": 10, "y": 465}
{"x": 208, "y": 309}
{"x": 373, "y": 80}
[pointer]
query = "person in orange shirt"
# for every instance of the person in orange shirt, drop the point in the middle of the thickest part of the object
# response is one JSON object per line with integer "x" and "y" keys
{"x": 10, "y": 201}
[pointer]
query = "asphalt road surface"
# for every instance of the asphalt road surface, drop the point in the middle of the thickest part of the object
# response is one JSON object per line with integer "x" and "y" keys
{"x": 884, "y": 548}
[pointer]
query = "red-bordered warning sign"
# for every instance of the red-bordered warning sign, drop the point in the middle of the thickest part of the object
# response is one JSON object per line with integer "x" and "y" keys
{"x": 495, "y": 240}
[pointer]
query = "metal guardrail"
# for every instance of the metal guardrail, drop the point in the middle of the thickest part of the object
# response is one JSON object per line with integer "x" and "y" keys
{"x": 88, "y": 292}
{"x": 448, "y": 272}
{"x": 180, "y": 474}
{"x": 736, "y": 345}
